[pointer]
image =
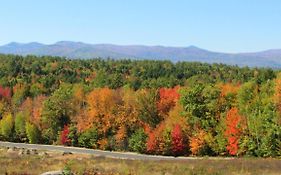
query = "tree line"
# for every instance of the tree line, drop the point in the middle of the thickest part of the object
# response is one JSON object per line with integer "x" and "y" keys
{"x": 152, "y": 107}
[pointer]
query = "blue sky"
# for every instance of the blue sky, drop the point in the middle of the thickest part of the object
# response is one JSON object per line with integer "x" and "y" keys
{"x": 218, "y": 25}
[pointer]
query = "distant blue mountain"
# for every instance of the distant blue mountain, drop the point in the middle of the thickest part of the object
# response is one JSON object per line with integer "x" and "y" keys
{"x": 269, "y": 58}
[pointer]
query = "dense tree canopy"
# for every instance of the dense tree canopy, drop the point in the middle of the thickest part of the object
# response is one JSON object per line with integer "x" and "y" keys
{"x": 153, "y": 107}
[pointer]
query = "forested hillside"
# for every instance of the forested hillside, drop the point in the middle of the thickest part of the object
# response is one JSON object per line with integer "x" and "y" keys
{"x": 152, "y": 107}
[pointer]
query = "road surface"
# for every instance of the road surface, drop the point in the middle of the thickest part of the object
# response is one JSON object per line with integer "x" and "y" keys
{"x": 109, "y": 154}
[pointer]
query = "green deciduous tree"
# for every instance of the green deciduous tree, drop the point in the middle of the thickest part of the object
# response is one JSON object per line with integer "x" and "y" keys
{"x": 137, "y": 141}
{"x": 7, "y": 127}
{"x": 33, "y": 133}
{"x": 57, "y": 110}
{"x": 88, "y": 138}
{"x": 147, "y": 107}
{"x": 20, "y": 121}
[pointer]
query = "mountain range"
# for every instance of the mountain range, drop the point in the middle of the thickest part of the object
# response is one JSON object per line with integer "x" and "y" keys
{"x": 69, "y": 49}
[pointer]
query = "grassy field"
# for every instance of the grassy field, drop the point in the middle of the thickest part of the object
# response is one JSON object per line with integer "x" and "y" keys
{"x": 12, "y": 163}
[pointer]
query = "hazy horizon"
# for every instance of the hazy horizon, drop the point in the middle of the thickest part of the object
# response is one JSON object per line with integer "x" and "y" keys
{"x": 254, "y": 51}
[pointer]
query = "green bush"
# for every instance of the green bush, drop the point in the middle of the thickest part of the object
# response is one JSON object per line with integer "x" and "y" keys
{"x": 88, "y": 138}
{"x": 20, "y": 126}
{"x": 167, "y": 150}
{"x": 137, "y": 142}
{"x": 7, "y": 126}
{"x": 33, "y": 133}
{"x": 73, "y": 135}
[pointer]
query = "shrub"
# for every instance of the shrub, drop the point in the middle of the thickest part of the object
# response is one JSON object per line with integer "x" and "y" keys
{"x": 73, "y": 135}
{"x": 32, "y": 132}
{"x": 64, "y": 136}
{"x": 165, "y": 143}
{"x": 88, "y": 139}
{"x": 177, "y": 140}
{"x": 5, "y": 93}
{"x": 152, "y": 143}
{"x": 233, "y": 131}
{"x": 137, "y": 141}
{"x": 197, "y": 142}
{"x": 20, "y": 126}
{"x": 6, "y": 126}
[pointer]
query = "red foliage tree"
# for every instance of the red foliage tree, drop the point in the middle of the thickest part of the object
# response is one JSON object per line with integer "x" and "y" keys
{"x": 171, "y": 93}
{"x": 5, "y": 93}
{"x": 167, "y": 99}
{"x": 64, "y": 136}
{"x": 233, "y": 130}
{"x": 177, "y": 140}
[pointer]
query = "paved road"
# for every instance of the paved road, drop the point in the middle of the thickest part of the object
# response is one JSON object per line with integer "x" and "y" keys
{"x": 109, "y": 154}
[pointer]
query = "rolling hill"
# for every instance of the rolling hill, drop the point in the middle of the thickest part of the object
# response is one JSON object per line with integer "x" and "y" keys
{"x": 269, "y": 58}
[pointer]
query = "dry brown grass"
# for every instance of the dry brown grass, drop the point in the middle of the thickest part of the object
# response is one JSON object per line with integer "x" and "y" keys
{"x": 11, "y": 163}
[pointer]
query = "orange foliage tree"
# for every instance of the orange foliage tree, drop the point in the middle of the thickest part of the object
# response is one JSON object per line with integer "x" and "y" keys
{"x": 197, "y": 142}
{"x": 81, "y": 117}
{"x": 227, "y": 96}
{"x": 156, "y": 141}
{"x": 167, "y": 99}
{"x": 33, "y": 108}
{"x": 151, "y": 145}
{"x": 83, "y": 123}
{"x": 127, "y": 113}
{"x": 121, "y": 138}
{"x": 233, "y": 130}
{"x": 38, "y": 102}
{"x": 228, "y": 88}
{"x": 102, "y": 106}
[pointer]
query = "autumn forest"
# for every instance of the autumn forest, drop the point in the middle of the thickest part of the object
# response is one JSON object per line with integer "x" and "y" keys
{"x": 144, "y": 106}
